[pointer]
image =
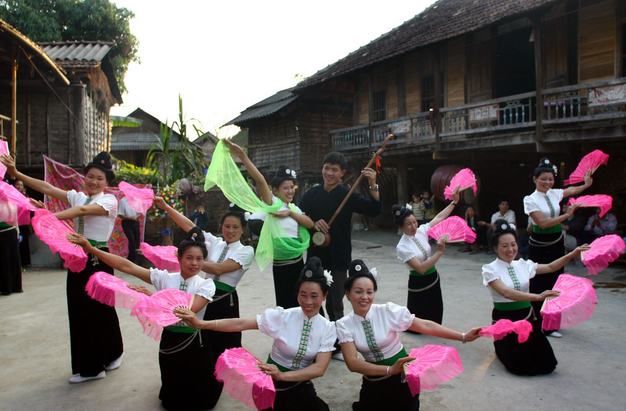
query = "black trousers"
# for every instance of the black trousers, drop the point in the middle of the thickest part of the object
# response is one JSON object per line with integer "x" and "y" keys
{"x": 426, "y": 304}
{"x": 10, "y": 268}
{"x": 387, "y": 394}
{"x": 131, "y": 230}
{"x": 297, "y": 396}
{"x": 285, "y": 278}
{"x": 545, "y": 255}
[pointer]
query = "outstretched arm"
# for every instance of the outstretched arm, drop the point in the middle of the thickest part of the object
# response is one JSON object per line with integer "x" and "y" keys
{"x": 556, "y": 264}
{"x": 227, "y": 325}
{"x": 237, "y": 151}
{"x": 182, "y": 221}
{"x": 574, "y": 190}
{"x": 81, "y": 210}
{"x": 437, "y": 330}
{"x": 112, "y": 260}
{"x": 34, "y": 183}
{"x": 445, "y": 213}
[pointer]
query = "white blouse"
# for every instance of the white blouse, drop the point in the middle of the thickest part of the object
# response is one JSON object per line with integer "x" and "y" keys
{"x": 196, "y": 285}
{"x": 523, "y": 270}
{"x": 537, "y": 202}
{"x": 385, "y": 322}
{"x": 96, "y": 227}
{"x": 237, "y": 252}
{"x": 291, "y": 226}
{"x": 297, "y": 339}
{"x": 407, "y": 249}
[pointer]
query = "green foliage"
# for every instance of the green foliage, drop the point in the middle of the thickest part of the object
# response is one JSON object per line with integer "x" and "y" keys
{"x": 134, "y": 175}
{"x": 66, "y": 20}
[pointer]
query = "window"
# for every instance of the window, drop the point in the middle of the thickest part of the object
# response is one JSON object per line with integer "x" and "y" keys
{"x": 379, "y": 111}
{"x": 428, "y": 92}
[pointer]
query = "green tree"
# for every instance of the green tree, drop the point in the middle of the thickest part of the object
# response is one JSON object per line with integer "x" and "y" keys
{"x": 66, "y": 20}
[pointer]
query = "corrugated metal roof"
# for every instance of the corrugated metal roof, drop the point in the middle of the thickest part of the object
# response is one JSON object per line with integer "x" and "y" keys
{"x": 139, "y": 141}
{"x": 265, "y": 107}
{"x": 77, "y": 53}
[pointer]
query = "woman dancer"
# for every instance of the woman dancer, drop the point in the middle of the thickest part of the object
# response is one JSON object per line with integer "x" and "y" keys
{"x": 372, "y": 330}
{"x": 185, "y": 359}
{"x": 93, "y": 349}
{"x": 303, "y": 340}
{"x": 424, "y": 299}
{"x": 288, "y": 250}
{"x": 508, "y": 280}
{"x": 227, "y": 261}
{"x": 546, "y": 239}
{"x": 24, "y": 230}
{"x": 10, "y": 268}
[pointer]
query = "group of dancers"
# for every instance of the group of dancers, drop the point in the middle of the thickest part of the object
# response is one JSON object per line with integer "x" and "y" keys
{"x": 304, "y": 340}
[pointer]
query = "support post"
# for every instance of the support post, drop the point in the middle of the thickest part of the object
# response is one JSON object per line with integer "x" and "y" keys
{"x": 539, "y": 81}
{"x": 13, "y": 102}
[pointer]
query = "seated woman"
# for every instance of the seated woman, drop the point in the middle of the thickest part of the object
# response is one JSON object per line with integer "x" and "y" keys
{"x": 189, "y": 369}
{"x": 508, "y": 280}
{"x": 473, "y": 220}
{"x": 372, "y": 330}
{"x": 303, "y": 340}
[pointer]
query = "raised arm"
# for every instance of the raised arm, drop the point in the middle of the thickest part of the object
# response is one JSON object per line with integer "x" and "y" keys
{"x": 445, "y": 213}
{"x": 264, "y": 188}
{"x": 575, "y": 190}
{"x": 182, "y": 221}
{"x": 35, "y": 184}
{"x": 301, "y": 219}
{"x": 556, "y": 264}
{"x": 112, "y": 260}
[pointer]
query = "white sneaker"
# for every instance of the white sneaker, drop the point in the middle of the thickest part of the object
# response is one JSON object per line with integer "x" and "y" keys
{"x": 338, "y": 356}
{"x": 115, "y": 364}
{"x": 77, "y": 379}
{"x": 555, "y": 334}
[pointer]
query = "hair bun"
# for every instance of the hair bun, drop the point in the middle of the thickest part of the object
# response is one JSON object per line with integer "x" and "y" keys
{"x": 501, "y": 225}
{"x": 195, "y": 234}
{"x": 357, "y": 267}
{"x": 313, "y": 270}
{"x": 545, "y": 165}
{"x": 103, "y": 159}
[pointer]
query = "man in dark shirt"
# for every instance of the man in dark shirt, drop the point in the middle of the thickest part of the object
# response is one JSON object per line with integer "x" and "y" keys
{"x": 320, "y": 203}
{"x": 200, "y": 217}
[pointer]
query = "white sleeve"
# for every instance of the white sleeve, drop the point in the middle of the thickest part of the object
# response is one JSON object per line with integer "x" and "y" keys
{"x": 158, "y": 278}
{"x": 404, "y": 252}
{"x": 513, "y": 220}
{"x": 207, "y": 289}
{"x": 530, "y": 205}
{"x": 529, "y": 266}
{"x": 271, "y": 321}
{"x": 210, "y": 239}
{"x": 243, "y": 257}
{"x": 559, "y": 193}
{"x": 74, "y": 198}
{"x": 489, "y": 274}
{"x": 399, "y": 318}
{"x": 330, "y": 336}
{"x": 109, "y": 203}
{"x": 343, "y": 333}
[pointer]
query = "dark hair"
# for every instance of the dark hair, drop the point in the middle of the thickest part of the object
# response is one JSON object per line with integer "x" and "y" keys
{"x": 103, "y": 162}
{"x": 500, "y": 228}
{"x": 237, "y": 214}
{"x": 336, "y": 158}
{"x": 313, "y": 272}
{"x": 545, "y": 166}
{"x": 193, "y": 238}
{"x": 502, "y": 200}
{"x": 356, "y": 270}
{"x": 199, "y": 204}
{"x": 426, "y": 191}
{"x": 400, "y": 214}
{"x": 283, "y": 173}
{"x": 417, "y": 194}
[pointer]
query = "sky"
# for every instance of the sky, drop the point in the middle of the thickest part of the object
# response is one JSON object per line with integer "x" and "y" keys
{"x": 224, "y": 56}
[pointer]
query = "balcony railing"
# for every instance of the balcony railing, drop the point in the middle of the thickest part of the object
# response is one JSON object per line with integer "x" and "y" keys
{"x": 562, "y": 105}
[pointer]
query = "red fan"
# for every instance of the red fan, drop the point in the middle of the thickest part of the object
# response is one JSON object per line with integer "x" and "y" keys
{"x": 503, "y": 327}
{"x": 54, "y": 233}
{"x": 604, "y": 250}
{"x": 244, "y": 380}
{"x": 434, "y": 365}
{"x": 4, "y": 149}
{"x": 574, "y": 305}
{"x": 603, "y": 201}
{"x": 139, "y": 199}
{"x": 463, "y": 179}
{"x": 112, "y": 291}
{"x": 163, "y": 257}
{"x": 157, "y": 311}
{"x": 455, "y": 228}
{"x": 591, "y": 162}
{"x": 24, "y": 206}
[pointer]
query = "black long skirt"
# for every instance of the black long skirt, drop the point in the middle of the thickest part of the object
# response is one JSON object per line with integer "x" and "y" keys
{"x": 426, "y": 304}
{"x": 25, "y": 245}
{"x": 535, "y": 356}
{"x": 95, "y": 336}
{"x": 10, "y": 268}
{"x": 545, "y": 255}
{"x": 297, "y": 396}
{"x": 285, "y": 278}
{"x": 224, "y": 307}
{"x": 388, "y": 394}
{"x": 187, "y": 380}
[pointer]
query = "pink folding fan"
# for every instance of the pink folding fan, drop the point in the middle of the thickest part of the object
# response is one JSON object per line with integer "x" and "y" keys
{"x": 54, "y": 233}
{"x": 503, "y": 327}
{"x": 463, "y": 179}
{"x": 157, "y": 311}
{"x": 455, "y": 228}
{"x": 591, "y": 162}
{"x": 112, "y": 291}
{"x": 4, "y": 149}
{"x": 574, "y": 305}
{"x": 605, "y": 202}
{"x": 163, "y": 257}
{"x": 139, "y": 199}
{"x": 24, "y": 206}
{"x": 434, "y": 365}
{"x": 604, "y": 250}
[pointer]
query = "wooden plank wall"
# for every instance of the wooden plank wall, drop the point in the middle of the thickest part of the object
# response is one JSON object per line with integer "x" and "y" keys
{"x": 597, "y": 40}
{"x": 455, "y": 72}
{"x": 363, "y": 99}
{"x": 412, "y": 82}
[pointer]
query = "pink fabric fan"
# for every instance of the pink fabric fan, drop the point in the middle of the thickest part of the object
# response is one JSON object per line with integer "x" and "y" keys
{"x": 604, "y": 250}
{"x": 605, "y": 202}
{"x": 54, "y": 233}
{"x": 4, "y": 149}
{"x": 163, "y": 257}
{"x": 574, "y": 305}
{"x": 591, "y": 162}
{"x": 464, "y": 179}
{"x": 112, "y": 291}
{"x": 503, "y": 327}
{"x": 434, "y": 365}
{"x": 8, "y": 212}
{"x": 243, "y": 379}
{"x": 139, "y": 199}
{"x": 157, "y": 311}
{"x": 455, "y": 228}
{"x": 24, "y": 206}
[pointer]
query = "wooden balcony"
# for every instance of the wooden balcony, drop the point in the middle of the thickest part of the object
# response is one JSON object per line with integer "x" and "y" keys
{"x": 499, "y": 122}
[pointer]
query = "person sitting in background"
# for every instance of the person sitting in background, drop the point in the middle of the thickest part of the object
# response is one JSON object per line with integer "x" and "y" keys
{"x": 200, "y": 217}
{"x": 597, "y": 227}
{"x": 573, "y": 228}
{"x": 503, "y": 214}
{"x": 430, "y": 211}
{"x": 473, "y": 220}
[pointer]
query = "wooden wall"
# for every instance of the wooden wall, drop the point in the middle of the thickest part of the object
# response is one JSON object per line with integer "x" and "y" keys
{"x": 412, "y": 82}
{"x": 455, "y": 72}
{"x": 597, "y": 40}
